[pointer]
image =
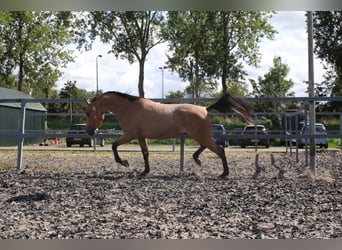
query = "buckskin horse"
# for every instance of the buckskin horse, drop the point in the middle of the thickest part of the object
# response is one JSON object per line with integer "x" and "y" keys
{"x": 142, "y": 119}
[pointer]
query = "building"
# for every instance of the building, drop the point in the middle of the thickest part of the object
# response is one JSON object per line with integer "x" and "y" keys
{"x": 10, "y": 118}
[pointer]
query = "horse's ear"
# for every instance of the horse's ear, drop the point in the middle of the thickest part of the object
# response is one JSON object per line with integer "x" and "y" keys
{"x": 87, "y": 101}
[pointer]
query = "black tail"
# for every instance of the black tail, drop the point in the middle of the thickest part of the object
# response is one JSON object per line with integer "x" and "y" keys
{"x": 231, "y": 103}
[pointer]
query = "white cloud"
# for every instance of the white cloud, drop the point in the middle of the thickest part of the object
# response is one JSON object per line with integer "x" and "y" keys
{"x": 114, "y": 74}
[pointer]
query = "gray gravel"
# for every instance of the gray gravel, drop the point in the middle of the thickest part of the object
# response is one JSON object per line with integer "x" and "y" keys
{"x": 87, "y": 195}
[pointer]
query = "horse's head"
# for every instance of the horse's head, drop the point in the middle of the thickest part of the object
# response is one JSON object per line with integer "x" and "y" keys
{"x": 95, "y": 117}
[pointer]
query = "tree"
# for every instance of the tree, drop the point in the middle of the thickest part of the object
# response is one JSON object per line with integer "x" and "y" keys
{"x": 327, "y": 31}
{"x": 188, "y": 35}
{"x": 33, "y": 50}
{"x": 175, "y": 94}
{"x": 237, "y": 35}
{"x": 238, "y": 88}
{"x": 272, "y": 84}
{"x": 212, "y": 45}
{"x": 132, "y": 35}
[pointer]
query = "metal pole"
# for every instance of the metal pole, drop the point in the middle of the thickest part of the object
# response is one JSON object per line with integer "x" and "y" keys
{"x": 312, "y": 115}
{"x": 97, "y": 74}
{"x": 162, "y": 70}
{"x": 341, "y": 131}
{"x": 182, "y": 141}
{"x": 21, "y": 132}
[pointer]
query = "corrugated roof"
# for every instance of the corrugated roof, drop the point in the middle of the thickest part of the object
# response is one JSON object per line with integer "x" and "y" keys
{"x": 14, "y": 94}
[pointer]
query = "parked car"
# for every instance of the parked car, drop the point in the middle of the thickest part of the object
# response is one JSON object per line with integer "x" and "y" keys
{"x": 292, "y": 132}
{"x": 320, "y": 130}
{"x": 219, "y": 134}
{"x": 81, "y": 129}
{"x": 254, "y": 130}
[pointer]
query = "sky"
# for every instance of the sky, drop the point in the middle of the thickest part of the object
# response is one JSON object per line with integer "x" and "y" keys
{"x": 290, "y": 43}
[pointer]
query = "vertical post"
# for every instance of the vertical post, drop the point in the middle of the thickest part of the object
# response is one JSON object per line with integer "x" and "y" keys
{"x": 290, "y": 140}
{"x": 21, "y": 132}
{"x": 97, "y": 74}
{"x": 341, "y": 131}
{"x": 306, "y": 139}
{"x": 312, "y": 115}
{"x": 286, "y": 130}
{"x": 182, "y": 141}
{"x": 255, "y": 132}
{"x": 94, "y": 140}
{"x": 296, "y": 129}
{"x": 162, "y": 70}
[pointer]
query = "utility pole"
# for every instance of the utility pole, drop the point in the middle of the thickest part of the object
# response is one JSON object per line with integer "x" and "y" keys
{"x": 162, "y": 70}
{"x": 97, "y": 74}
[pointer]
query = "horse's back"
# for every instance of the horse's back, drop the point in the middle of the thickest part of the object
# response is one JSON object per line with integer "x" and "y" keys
{"x": 159, "y": 120}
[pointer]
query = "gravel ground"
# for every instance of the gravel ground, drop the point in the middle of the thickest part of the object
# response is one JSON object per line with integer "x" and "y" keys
{"x": 87, "y": 195}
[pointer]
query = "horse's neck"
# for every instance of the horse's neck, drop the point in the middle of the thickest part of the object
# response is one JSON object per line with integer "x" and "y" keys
{"x": 117, "y": 106}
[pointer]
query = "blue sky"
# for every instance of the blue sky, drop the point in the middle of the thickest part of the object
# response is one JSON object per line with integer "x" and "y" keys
{"x": 290, "y": 44}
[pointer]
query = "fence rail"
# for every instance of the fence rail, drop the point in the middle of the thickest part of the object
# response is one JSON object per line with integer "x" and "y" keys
{"x": 21, "y": 133}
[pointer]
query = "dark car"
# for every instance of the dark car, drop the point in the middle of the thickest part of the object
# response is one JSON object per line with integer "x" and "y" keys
{"x": 219, "y": 134}
{"x": 81, "y": 129}
{"x": 254, "y": 130}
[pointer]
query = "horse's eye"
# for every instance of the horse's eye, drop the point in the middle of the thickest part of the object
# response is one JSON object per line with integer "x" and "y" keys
{"x": 87, "y": 113}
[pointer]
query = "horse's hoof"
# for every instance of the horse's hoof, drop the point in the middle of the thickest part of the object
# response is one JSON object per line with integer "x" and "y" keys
{"x": 143, "y": 174}
{"x": 125, "y": 163}
{"x": 198, "y": 162}
{"x": 224, "y": 176}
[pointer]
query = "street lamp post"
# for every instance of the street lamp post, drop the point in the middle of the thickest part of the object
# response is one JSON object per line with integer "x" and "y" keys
{"x": 97, "y": 74}
{"x": 162, "y": 70}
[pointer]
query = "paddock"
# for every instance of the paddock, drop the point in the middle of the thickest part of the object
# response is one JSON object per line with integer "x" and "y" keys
{"x": 75, "y": 194}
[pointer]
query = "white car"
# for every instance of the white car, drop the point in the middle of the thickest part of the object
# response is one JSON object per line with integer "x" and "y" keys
{"x": 320, "y": 130}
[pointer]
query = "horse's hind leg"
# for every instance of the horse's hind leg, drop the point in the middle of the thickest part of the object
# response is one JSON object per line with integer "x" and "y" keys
{"x": 211, "y": 144}
{"x": 221, "y": 153}
{"x": 144, "y": 151}
{"x": 197, "y": 153}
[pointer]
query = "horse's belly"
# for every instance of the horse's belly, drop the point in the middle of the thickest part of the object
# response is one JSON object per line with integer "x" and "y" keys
{"x": 162, "y": 133}
{"x": 162, "y": 129}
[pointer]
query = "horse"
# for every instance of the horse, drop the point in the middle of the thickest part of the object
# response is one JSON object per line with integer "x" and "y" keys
{"x": 142, "y": 119}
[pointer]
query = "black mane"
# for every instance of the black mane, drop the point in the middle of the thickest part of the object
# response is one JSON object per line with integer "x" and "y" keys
{"x": 127, "y": 96}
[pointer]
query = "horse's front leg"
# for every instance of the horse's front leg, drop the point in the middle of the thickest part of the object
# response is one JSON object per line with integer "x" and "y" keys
{"x": 144, "y": 151}
{"x": 121, "y": 140}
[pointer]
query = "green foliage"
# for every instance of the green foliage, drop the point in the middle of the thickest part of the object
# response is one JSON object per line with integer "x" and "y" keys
{"x": 327, "y": 31}
{"x": 132, "y": 34}
{"x": 188, "y": 36}
{"x": 209, "y": 45}
{"x": 236, "y": 35}
{"x": 273, "y": 84}
{"x": 238, "y": 88}
{"x": 33, "y": 50}
{"x": 70, "y": 91}
{"x": 175, "y": 94}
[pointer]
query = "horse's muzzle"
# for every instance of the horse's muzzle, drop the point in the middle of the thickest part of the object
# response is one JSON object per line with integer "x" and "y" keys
{"x": 90, "y": 130}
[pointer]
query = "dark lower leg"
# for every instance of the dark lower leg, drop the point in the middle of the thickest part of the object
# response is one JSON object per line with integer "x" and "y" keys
{"x": 197, "y": 153}
{"x": 144, "y": 151}
{"x": 116, "y": 155}
{"x": 222, "y": 155}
